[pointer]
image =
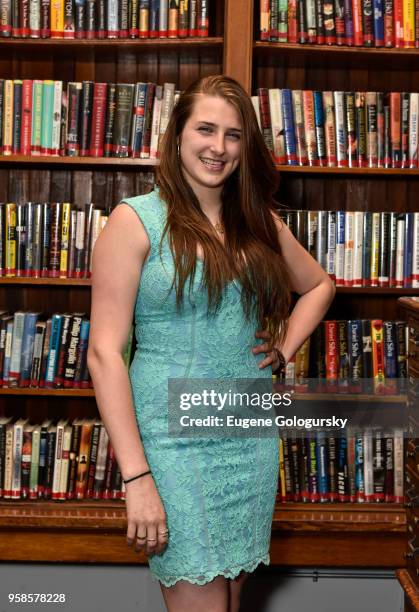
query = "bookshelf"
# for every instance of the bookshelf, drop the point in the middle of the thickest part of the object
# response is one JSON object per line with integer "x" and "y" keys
{"x": 322, "y": 535}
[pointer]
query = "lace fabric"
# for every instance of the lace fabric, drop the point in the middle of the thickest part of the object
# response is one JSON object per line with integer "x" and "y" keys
{"x": 218, "y": 494}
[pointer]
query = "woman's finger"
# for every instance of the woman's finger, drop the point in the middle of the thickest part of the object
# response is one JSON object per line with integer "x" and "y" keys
{"x": 162, "y": 537}
{"x": 263, "y": 334}
{"x": 141, "y": 538}
{"x": 151, "y": 541}
{"x": 260, "y": 348}
{"x": 270, "y": 360}
{"x": 131, "y": 533}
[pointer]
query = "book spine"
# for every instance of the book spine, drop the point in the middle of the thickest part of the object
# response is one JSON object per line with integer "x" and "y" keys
{"x": 329, "y": 128}
{"x": 34, "y": 469}
{"x": 83, "y": 459}
{"x": 123, "y": 112}
{"x": 319, "y": 120}
{"x": 367, "y": 23}
{"x": 93, "y": 459}
{"x": 26, "y": 129}
{"x": 408, "y": 12}
{"x": 357, "y": 22}
{"x": 16, "y": 350}
{"x": 277, "y": 125}
{"x": 155, "y": 127}
{"x": 98, "y": 120}
{"x": 384, "y": 251}
{"x": 8, "y": 117}
{"x": 27, "y": 348}
{"x": 340, "y": 248}
{"x": 348, "y": 279}
{"x": 375, "y": 249}
{"x": 343, "y": 482}
{"x": 389, "y": 468}
{"x": 73, "y": 460}
{"x": 380, "y": 129}
{"x": 398, "y": 467}
{"x": 144, "y": 9}
{"x": 395, "y": 129}
{"x": 53, "y": 350}
{"x": 371, "y": 144}
{"x": 37, "y": 94}
{"x": 17, "y": 116}
{"x": 265, "y": 117}
{"x": 72, "y": 147}
{"x": 330, "y": 330}
{"x": 71, "y": 352}
{"x": 341, "y": 134}
{"x": 358, "y": 248}
{"x": 69, "y": 19}
{"x": 377, "y": 353}
{"x": 368, "y": 467}
{"x": 37, "y": 353}
{"x": 378, "y": 12}
{"x": 400, "y": 249}
{"x": 86, "y": 107}
{"x": 310, "y": 128}
{"x": 56, "y": 117}
{"x": 290, "y": 143}
{"x": 355, "y": 354}
{"x": 57, "y": 18}
{"x": 301, "y": 149}
{"x": 133, "y": 18}
{"x": 388, "y": 23}
{"x": 80, "y": 19}
{"x": 331, "y": 245}
{"x": 6, "y": 19}
{"x": 351, "y": 131}
{"x": 413, "y": 130}
{"x": 123, "y": 19}
{"x": 404, "y": 125}
{"x": 415, "y": 251}
{"x": 359, "y": 469}
{"x": 17, "y": 460}
{"x": 112, "y": 21}
{"x": 20, "y": 239}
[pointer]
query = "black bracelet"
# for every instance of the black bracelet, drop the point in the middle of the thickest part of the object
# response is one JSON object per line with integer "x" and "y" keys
{"x": 282, "y": 362}
{"x": 135, "y": 477}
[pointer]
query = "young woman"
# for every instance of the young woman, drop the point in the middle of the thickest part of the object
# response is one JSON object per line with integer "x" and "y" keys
{"x": 207, "y": 266}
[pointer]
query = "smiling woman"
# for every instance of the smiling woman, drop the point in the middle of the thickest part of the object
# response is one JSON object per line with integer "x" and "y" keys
{"x": 206, "y": 265}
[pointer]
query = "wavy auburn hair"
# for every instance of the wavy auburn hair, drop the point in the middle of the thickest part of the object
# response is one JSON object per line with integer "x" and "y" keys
{"x": 251, "y": 253}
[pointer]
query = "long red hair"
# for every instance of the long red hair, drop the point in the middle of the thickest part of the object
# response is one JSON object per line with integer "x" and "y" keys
{"x": 252, "y": 252}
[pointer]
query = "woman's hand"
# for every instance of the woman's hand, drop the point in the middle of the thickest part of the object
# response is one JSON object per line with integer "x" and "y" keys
{"x": 271, "y": 355}
{"x": 147, "y": 528}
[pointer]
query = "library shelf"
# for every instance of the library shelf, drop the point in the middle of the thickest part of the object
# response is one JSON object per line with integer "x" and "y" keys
{"x": 302, "y": 534}
{"x": 360, "y": 172}
{"x": 109, "y": 43}
{"x": 60, "y": 282}
{"x": 47, "y": 160}
{"x": 23, "y": 391}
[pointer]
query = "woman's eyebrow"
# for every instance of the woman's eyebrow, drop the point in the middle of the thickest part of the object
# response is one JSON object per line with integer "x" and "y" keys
{"x": 209, "y": 123}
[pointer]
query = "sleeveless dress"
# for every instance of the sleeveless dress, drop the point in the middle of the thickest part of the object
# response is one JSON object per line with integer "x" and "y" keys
{"x": 218, "y": 494}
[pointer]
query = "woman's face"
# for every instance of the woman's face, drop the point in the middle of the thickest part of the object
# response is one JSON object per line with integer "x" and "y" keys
{"x": 210, "y": 143}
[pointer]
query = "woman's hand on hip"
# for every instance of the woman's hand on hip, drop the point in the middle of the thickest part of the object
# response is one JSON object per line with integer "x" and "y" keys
{"x": 266, "y": 347}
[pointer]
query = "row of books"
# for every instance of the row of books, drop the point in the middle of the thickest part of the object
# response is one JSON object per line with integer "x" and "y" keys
{"x": 337, "y": 128}
{"x": 49, "y": 354}
{"x": 53, "y": 240}
{"x": 57, "y": 460}
{"x": 83, "y": 119}
{"x": 363, "y": 23}
{"x": 75, "y": 460}
{"x": 351, "y": 356}
{"x": 89, "y": 19}
{"x": 359, "y": 467}
{"x": 361, "y": 249}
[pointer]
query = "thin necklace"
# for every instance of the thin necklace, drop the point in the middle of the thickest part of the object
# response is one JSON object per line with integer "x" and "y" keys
{"x": 219, "y": 228}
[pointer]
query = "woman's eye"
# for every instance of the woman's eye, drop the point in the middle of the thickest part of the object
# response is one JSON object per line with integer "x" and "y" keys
{"x": 235, "y": 136}
{"x": 204, "y": 129}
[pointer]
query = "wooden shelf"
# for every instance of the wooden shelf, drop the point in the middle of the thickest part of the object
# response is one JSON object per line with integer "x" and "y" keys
{"x": 410, "y": 589}
{"x": 47, "y": 392}
{"x": 60, "y": 282}
{"x": 86, "y": 531}
{"x": 330, "y": 50}
{"x": 387, "y": 172}
{"x": 86, "y": 282}
{"x": 381, "y": 291}
{"x": 119, "y": 43}
{"x": 74, "y": 161}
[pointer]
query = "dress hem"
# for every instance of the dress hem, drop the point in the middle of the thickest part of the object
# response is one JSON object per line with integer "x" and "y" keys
{"x": 230, "y": 573}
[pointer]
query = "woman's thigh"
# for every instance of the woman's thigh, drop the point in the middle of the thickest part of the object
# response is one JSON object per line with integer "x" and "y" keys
{"x": 210, "y": 597}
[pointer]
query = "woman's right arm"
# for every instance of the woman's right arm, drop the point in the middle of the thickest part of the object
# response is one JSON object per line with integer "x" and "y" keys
{"x": 118, "y": 256}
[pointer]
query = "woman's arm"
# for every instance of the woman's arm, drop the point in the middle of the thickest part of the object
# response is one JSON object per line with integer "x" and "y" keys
{"x": 315, "y": 288}
{"x": 117, "y": 259}
{"x": 118, "y": 256}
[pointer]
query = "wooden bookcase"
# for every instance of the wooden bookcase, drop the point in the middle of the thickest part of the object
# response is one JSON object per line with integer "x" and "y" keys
{"x": 320, "y": 535}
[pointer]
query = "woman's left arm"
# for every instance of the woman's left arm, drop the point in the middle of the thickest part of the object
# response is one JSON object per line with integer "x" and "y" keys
{"x": 311, "y": 283}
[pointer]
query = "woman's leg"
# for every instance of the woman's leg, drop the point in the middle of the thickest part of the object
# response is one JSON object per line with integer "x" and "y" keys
{"x": 235, "y": 590}
{"x": 210, "y": 597}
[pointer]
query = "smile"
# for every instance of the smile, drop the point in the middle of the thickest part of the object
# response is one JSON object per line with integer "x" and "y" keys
{"x": 212, "y": 163}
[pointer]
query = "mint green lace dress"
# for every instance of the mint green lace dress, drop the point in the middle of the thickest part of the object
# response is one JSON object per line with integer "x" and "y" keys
{"x": 218, "y": 494}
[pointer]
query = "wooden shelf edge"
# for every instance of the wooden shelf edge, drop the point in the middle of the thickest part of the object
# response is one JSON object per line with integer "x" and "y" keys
{"x": 59, "y": 282}
{"x": 75, "y": 161}
{"x": 346, "y": 517}
{"x": 147, "y": 43}
{"x": 348, "y": 171}
{"x": 409, "y": 587}
{"x": 47, "y": 392}
{"x": 110, "y": 515}
{"x": 86, "y": 282}
{"x": 333, "y": 49}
